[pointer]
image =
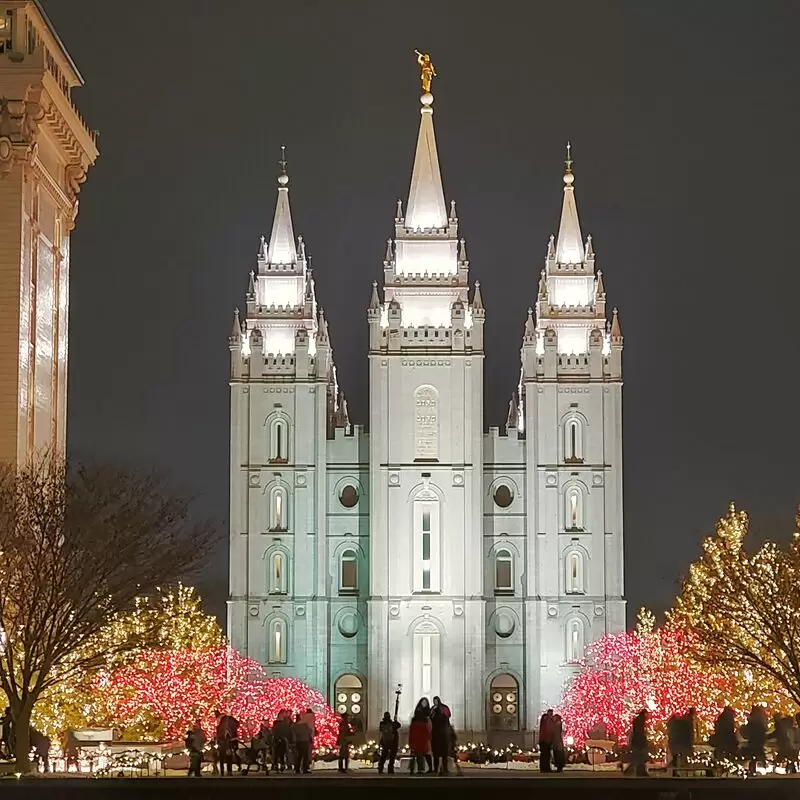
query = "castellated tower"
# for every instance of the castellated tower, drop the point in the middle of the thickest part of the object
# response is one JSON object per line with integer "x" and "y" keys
{"x": 45, "y": 152}
{"x": 288, "y": 425}
{"x": 426, "y": 610}
{"x": 570, "y": 410}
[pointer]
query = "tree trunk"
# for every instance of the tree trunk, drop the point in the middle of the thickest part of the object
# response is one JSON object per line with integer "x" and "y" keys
{"x": 22, "y": 735}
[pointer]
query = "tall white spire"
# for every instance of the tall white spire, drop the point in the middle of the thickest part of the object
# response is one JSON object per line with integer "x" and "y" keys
{"x": 281, "y": 243}
{"x": 426, "y": 207}
{"x": 569, "y": 247}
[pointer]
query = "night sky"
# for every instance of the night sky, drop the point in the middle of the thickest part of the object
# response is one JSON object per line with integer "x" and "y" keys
{"x": 684, "y": 119}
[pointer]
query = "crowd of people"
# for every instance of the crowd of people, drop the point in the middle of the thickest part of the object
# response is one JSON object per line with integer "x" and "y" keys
{"x": 729, "y": 742}
{"x": 286, "y": 744}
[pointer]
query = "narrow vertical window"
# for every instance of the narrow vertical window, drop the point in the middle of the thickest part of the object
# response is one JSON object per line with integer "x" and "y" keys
{"x": 278, "y": 509}
{"x": 426, "y": 549}
{"x": 277, "y": 642}
{"x": 573, "y": 442}
{"x": 503, "y": 572}
{"x": 573, "y": 509}
{"x": 574, "y": 641}
{"x": 279, "y": 441}
{"x": 348, "y": 572}
{"x": 278, "y": 579}
{"x": 427, "y": 664}
{"x": 574, "y": 576}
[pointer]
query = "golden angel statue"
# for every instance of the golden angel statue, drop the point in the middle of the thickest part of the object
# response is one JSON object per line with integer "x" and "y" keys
{"x": 426, "y": 70}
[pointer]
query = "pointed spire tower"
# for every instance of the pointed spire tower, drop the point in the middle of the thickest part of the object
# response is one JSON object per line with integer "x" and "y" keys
{"x": 425, "y": 269}
{"x": 280, "y": 296}
{"x": 571, "y": 297}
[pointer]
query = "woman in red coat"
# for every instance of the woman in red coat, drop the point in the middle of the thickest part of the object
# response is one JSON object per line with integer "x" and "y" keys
{"x": 419, "y": 736}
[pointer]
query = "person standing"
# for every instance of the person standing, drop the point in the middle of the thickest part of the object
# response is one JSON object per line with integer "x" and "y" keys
{"x": 389, "y": 740}
{"x": 223, "y": 752}
{"x": 559, "y": 754}
{"x": 419, "y": 737}
{"x": 343, "y": 739}
{"x": 302, "y": 742}
{"x": 639, "y": 746}
{"x": 281, "y": 734}
{"x": 724, "y": 739}
{"x": 195, "y": 744}
{"x": 440, "y": 736}
{"x": 545, "y": 740}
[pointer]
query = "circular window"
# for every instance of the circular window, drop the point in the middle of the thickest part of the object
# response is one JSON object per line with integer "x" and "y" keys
{"x": 342, "y": 709}
{"x": 348, "y": 627}
{"x": 349, "y": 496}
{"x": 503, "y": 496}
{"x": 342, "y": 697}
{"x": 510, "y": 697}
{"x": 355, "y": 697}
{"x": 497, "y": 697}
{"x": 511, "y": 708}
{"x": 504, "y": 625}
{"x": 356, "y": 709}
{"x": 497, "y": 709}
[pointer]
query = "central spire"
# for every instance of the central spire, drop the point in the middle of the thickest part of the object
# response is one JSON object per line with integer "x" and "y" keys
{"x": 569, "y": 248}
{"x": 426, "y": 207}
{"x": 281, "y": 242}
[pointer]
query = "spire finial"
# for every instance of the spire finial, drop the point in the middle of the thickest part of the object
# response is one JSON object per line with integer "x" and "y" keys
{"x": 236, "y": 331}
{"x": 477, "y": 300}
{"x": 374, "y": 300}
{"x": 568, "y": 159}
{"x": 283, "y": 178}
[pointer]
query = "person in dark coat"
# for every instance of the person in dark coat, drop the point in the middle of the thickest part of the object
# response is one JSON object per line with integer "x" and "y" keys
{"x": 344, "y": 737}
{"x": 638, "y": 745}
{"x": 680, "y": 736}
{"x": 227, "y": 741}
{"x": 784, "y": 736}
{"x": 195, "y": 744}
{"x": 419, "y": 737}
{"x": 559, "y": 753}
{"x": 389, "y": 742}
{"x": 724, "y": 739}
{"x": 281, "y": 737}
{"x": 755, "y": 732}
{"x": 303, "y": 736}
{"x": 40, "y": 744}
{"x": 440, "y": 736}
{"x": 545, "y": 740}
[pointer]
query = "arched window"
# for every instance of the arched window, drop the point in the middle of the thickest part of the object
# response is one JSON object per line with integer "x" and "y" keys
{"x": 278, "y": 574}
{"x": 427, "y": 660}
{"x": 573, "y": 441}
{"x": 279, "y": 441}
{"x": 277, "y": 642}
{"x": 279, "y": 509}
{"x": 426, "y": 424}
{"x": 503, "y": 572}
{"x": 574, "y": 575}
{"x": 426, "y": 542}
{"x": 573, "y": 509}
{"x": 503, "y": 710}
{"x": 348, "y": 572}
{"x": 575, "y": 640}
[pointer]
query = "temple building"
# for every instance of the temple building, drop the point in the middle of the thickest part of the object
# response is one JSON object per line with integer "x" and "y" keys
{"x": 423, "y": 548}
{"x": 46, "y": 150}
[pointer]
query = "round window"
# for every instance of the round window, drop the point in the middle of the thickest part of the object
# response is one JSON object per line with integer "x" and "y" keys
{"x": 349, "y": 496}
{"x": 348, "y": 627}
{"x": 342, "y": 697}
{"x": 511, "y": 708}
{"x": 497, "y": 697}
{"x": 342, "y": 709}
{"x": 356, "y": 709}
{"x": 504, "y": 624}
{"x": 497, "y": 709}
{"x": 503, "y": 496}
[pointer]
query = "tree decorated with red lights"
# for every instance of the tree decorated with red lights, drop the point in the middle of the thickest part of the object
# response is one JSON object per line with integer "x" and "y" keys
{"x": 624, "y": 673}
{"x": 163, "y": 692}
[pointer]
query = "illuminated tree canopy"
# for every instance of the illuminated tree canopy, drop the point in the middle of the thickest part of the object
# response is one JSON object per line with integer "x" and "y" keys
{"x": 743, "y": 610}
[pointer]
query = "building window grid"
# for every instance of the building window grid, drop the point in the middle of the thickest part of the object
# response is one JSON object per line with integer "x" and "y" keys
{"x": 574, "y": 641}
{"x": 277, "y": 642}
{"x": 573, "y": 442}
{"x": 426, "y": 548}
{"x": 278, "y": 574}
{"x": 575, "y": 584}
{"x": 427, "y": 664}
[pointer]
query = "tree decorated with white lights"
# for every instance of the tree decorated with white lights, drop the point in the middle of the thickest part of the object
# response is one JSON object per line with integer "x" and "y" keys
{"x": 743, "y": 610}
